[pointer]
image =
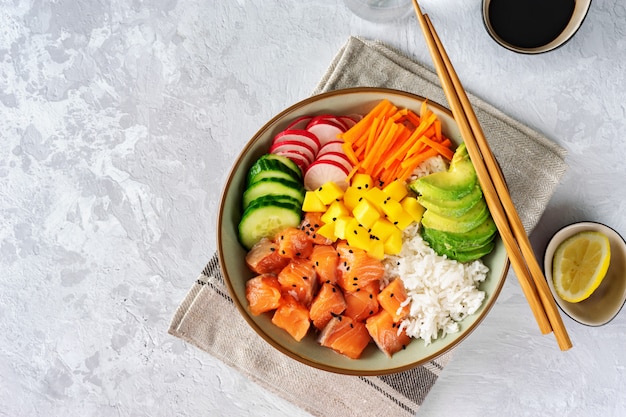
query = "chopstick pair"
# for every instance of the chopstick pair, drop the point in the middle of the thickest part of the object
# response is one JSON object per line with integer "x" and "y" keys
{"x": 519, "y": 249}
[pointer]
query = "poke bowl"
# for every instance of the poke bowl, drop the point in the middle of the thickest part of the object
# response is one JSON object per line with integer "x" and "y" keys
{"x": 235, "y": 244}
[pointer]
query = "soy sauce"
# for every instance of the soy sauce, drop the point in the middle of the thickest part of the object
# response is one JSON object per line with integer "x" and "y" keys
{"x": 530, "y": 23}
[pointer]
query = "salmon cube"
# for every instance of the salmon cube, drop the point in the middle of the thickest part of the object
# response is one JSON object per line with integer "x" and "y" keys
{"x": 386, "y": 334}
{"x": 345, "y": 336}
{"x": 293, "y": 243}
{"x": 325, "y": 259}
{"x": 298, "y": 279}
{"x": 361, "y": 304}
{"x": 263, "y": 293}
{"x": 292, "y": 317}
{"x": 263, "y": 258}
{"x": 310, "y": 225}
{"x": 393, "y": 299}
{"x": 327, "y": 303}
{"x": 356, "y": 268}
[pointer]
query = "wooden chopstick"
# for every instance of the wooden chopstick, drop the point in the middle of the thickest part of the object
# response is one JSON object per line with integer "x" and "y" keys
{"x": 530, "y": 275}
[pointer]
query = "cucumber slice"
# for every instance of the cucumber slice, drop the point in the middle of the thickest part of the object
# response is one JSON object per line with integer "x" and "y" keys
{"x": 274, "y": 187}
{"x": 270, "y": 168}
{"x": 265, "y": 219}
{"x": 286, "y": 161}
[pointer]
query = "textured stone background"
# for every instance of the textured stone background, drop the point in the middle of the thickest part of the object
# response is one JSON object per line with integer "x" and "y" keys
{"x": 119, "y": 121}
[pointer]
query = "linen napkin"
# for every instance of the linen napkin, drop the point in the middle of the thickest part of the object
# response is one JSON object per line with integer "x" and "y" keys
{"x": 208, "y": 319}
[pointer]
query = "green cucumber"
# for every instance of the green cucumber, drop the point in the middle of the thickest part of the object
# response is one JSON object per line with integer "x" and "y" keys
{"x": 273, "y": 187}
{"x": 285, "y": 161}
{"x": 265, "y": 218}
{"x": 270, "y": 168}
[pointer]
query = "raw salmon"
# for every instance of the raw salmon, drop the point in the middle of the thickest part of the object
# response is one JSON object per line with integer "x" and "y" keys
{"x": 263, "y": 293}
{"x": 310, "y": 224}
{"x": 385, "y": 334}
{"x": 345, "y": 336}
{"x": 325, "y": 259}
{"x": 363, "y": 303}
{"x": 327, "y": 303}
{"x": 392, "y": 299}
{"x": 263, "y": 258}
{"x": 298, "y": 278}
{"x": 293, "y": 243}
{"x": 292, "y": 317}
{"x": 356, "y": 268}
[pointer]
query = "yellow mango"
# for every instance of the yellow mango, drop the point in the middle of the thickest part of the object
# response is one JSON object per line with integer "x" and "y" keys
{"x": 362, "y": 181}
{"x": 352, "y": 196}
{"x": 396, "y": 189}
{"x": 334, "y": 211}
{"x": 341, "y": 226}
{"x": 312, "y": 203}
{"x": 377, "y": 249}
{"x": 357, "y": 235}
{"x": 376, "y": 196}
{"x": 393, "y": 244}
{"x": 413, "y": 208}
{"x": 328, "y": 231}
{"x": 392, "y": 209}
{"x": 366, "y": 213}
{"x": 382, "y": 228}
{"x": 329, "y": 192}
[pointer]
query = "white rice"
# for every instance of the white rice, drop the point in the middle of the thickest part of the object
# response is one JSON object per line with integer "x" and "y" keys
{"x": 441, "y": 291}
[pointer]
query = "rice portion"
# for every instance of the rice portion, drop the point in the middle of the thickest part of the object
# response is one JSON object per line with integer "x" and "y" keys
{"x": 441, "y": 291}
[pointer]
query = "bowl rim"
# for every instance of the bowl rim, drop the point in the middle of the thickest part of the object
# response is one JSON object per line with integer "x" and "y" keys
{"x": 242, "y": 309}
{"x": 559, "y": 236}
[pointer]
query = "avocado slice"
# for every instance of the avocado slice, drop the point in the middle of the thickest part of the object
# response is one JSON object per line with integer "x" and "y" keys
{"x": 463, "y": 255}
{"x": 473, "y": 239}
{"x": 457, "y": 182}
{"x": 461, "y": 224}
{"x": 452, "y": 208}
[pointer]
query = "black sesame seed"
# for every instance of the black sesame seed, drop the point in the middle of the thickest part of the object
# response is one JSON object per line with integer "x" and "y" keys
{"x": 351, "y": 326}
{"x": 272, "y": 249}
{"x": 371, "y": 296}
{"x": 371, "y": 312}
{"x": 294, "y": 285}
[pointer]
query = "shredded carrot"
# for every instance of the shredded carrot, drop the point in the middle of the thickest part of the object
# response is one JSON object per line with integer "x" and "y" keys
{"x": 390, "y": 142}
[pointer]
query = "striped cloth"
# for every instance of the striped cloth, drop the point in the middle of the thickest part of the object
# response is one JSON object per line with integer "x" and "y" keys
{"x": 208, "y": 319}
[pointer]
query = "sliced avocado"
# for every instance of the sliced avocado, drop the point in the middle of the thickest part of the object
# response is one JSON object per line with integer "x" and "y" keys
{"x": 462, "y": 255}
{"x": 458, "y": 181}
{"x": 452, "y": 208}
{"x": 473, "y": 239}
{"x": 461, "y": 224}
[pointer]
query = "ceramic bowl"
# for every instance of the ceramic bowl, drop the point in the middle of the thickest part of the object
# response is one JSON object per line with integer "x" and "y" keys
{"x": 236, "y": 273}
{"x": 581, "y": 7}
{"x": 608, "y": 299}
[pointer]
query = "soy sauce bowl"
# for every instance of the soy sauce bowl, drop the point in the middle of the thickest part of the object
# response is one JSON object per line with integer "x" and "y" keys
{"x": 581, "y": 8}
{"x": 608, "y": 299}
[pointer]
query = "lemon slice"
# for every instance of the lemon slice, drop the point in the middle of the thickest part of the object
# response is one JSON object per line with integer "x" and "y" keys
{"x": 580, "y": 264}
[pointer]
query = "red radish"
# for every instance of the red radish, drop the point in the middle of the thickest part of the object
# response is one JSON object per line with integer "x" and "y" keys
{"x": 325, "y": 131}
{"x": 333, "y": 146}
{"x": 300, "y": 160}
{"x": 299, "y": 123}
{"x": 320, "y": 172}
{"x": 350, "y": 120}
{"x": 330, "y": 119}
{"x": 300, "y": 135}
{"x": 338, "y": 157}
{"x": 294, "y": 146}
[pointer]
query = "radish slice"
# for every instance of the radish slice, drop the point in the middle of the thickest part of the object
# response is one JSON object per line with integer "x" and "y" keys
{"x": 338, "y": 157}
{"x": 325, "y": 131}
{"x": 329, "y": 118}
{"x": 320, "y": 172}
{"x": 299, "y": 135}
{"x": 350, "y": 121}
{"x": 299, "y": 123}
{"x": 333, "y": 146}
{"x": 298, "y": 158}
{"x": 294, "y": 146}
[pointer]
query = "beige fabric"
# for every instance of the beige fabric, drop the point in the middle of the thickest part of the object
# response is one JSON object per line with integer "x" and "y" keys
{"x": 208, "y": 319}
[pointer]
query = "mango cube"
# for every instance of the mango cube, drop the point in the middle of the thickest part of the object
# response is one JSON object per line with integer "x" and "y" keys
{"x": 341, "y": 226}
{"x": 366, "y": 213}
{"x": 328, "y": 231}
{"x": 329, "y": 192}
{"x": 396, "y": 189}
{"x": 377, "y": 249}
{"x": 393, "y": 209}
{"x": 376, "y": 196}
{"x": 413, "y": 208}
{"x": 357, "y": 235}
{"x": 382, "y": 229}
{"x": 393, "y": 244}
{"x": 334, "y": 211}
{"x": 362, "y": 181}
{"x": 312, "y": 203}
{"x": 352, "y": 196}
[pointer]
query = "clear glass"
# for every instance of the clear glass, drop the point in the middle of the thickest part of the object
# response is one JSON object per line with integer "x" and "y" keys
{"x": 381, "y": 11}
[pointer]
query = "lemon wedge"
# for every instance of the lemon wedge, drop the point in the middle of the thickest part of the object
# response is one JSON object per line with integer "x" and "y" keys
{"x": 580, "y": 264}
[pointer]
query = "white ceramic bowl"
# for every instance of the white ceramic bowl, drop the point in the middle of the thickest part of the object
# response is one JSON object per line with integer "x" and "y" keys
{"x": 236, "y": 273}
{"x": 581, "y": 8}
{"x": 608, "y": 299}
